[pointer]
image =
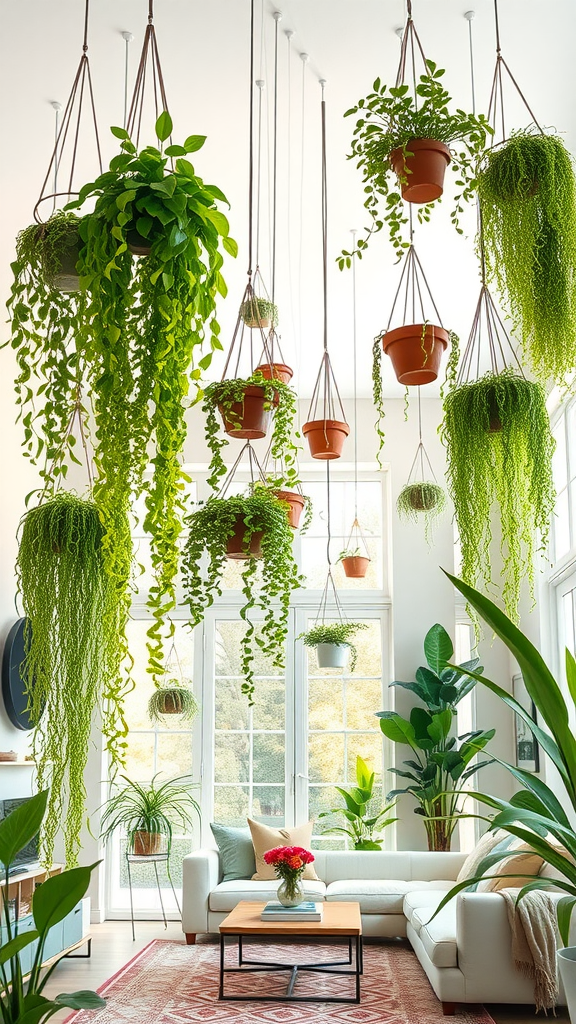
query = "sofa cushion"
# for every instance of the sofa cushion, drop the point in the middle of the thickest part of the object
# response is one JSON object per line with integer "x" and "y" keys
{"x": 421, "y": 898}
{"x": 483, "y": 847}
{"x": 266, "y": 838}
{"x": 376, "y": 896}
{"x": 236, "y": 851}
{"x": 227, "y": 894}
{"x": 438, "y": 936}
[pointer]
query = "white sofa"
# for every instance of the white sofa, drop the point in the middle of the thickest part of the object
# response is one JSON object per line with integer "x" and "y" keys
{"x": 465, "y": 951}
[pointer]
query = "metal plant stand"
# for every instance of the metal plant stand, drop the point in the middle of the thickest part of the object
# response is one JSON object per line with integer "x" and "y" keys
{"x": 155, "y": 859}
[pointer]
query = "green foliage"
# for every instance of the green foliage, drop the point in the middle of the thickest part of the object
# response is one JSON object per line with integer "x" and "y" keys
{"x": 364, "y": 831}
{"x": 209, "y": 529}
{"x": 527, "y": 194}
{"x": 378, "y": 395}
{"x": 21, "y": 1001}
{"x": 255, "y": 310}
{"x": 350, "y": 553}
{"x": 334, "y": 633}
{"x": 172, "y": 697}
{"x": 390, "y": 119}
{"x": 75, "y": 621}
{"x": 510, "y": 467}
{"x": 422, "y": 498}
{"x": 226, "y": 394}
{"x": 157, "y": 807}
{"x": 535, "y": 814}
{"x": 440, "y": 766}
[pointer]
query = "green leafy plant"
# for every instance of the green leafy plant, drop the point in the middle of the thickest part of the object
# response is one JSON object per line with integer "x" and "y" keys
{"x": 173, "y": 697}
{"x": 499, "y": 450}
{"x": 363, "y": 831}
{"x": 21, "y": 998}
{"x": 536, "y": 814}
{"x": 156, "y": 808}
{"x": 288, "y": 481}
{"x": 421, "y": 498}
{"x": 256, "y": 309}
{"x": 390, "y": 118}
{"x": 350, "y": 553}
{"x": 441, "y": 762}
{"x": 226, "y": 394}
{"x": 338, "y": 633}
{"x": 75, "y": 643}
{"x": 209, "y": 529}
{"x": 527, "y": 193}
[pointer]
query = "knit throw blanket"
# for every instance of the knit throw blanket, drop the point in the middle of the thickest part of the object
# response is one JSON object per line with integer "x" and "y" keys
{"x": 533, "y": 927}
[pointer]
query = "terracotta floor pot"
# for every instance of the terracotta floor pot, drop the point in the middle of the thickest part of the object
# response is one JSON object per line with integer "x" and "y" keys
{"x": 248, "y": 419}
{"x": 326, "y": 438}
{"x": 235, "y": 544}
{"x": 424, "y": 171}
{"x": 146, "y": 844}
{"x": 278, "y": 371}
{"x": 414, "y": 361}
{"x": 138, "y": 244}
{"x": 296, "y": 502}
{"x": 355, "y": 567}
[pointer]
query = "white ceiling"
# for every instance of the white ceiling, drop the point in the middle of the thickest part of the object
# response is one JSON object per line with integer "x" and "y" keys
{"x": 204, "y": 47}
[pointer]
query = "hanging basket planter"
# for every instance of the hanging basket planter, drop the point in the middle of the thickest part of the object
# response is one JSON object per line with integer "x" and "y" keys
{"x": 416, "y": 352}
{"x": 332, "y": 655}
{"x": 243, "y": 543}
{"x": 172, "y": 697}
{"x": 276, "y": 371}
{"x": 420, "y": 166}
{"x": 326, "y": 438}
{"x": 295, "y": 502}
{"x": 137, "y": 244}
{"x": 421, "y": 496}
{"x": 333, "y": 643}
{"x": 355, "y": 566}
{"x": 259, "y": 313}
{"x": 250, "y": 417}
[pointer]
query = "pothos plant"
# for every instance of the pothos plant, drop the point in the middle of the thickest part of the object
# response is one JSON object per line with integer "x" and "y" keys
{"x": 209, "y": 529}
{"x": 146, "y": 320}
{"x": 390, "y": 118}
{"x": 228, "y": 394}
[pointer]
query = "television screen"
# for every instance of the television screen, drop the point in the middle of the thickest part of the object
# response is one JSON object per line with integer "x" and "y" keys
{"x": 29, "y": 855}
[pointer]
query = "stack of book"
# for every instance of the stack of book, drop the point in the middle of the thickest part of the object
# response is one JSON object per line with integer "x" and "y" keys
{"x": 276, "y": 911}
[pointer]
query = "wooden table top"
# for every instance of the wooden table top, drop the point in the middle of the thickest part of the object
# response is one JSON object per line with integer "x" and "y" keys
{"x": 337, "y": 919}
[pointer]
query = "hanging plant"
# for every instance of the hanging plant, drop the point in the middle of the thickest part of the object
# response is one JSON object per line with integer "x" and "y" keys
{"x": 392, "y": 129}
{"x": 421, "y": 499}
{"x": 75, "y": 643}
{"x": 147, "y": 318}
{"x": 333, "y": 643}
{"x": 354, "y": 563}
{"x": 297, "y": 504}
{"x": 172, "y": 697}
{"x": 258, "y": 312}
{"x": 255, "y": 530}
{"x": 499, "y": 450}
{"x": 527, "y": 196}
{"x": 245, "y": 407}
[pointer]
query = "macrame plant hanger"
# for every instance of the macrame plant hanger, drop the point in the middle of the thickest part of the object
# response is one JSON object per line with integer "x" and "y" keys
{"x": 326, "y": 428}
{"x": 149, "y": 66}
{"x": 496, "y": 114}
{"x": 80, "y": 94}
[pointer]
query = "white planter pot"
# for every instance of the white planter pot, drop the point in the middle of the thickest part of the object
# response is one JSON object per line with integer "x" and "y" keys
{"x": 332, "y": 655}
{"x": 566, "y": 959}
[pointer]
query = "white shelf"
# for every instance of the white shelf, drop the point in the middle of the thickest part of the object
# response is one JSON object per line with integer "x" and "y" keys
{"x": 17, "y": 764}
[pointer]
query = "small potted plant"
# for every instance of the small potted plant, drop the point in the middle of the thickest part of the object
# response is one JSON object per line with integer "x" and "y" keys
{"x": 149, "y": 813}
{"x": 172, "y": 697}
{"x": 363, "y": 830}
{"x": 333, "y": 644}
{"x": 258, "y": 312}
{"x": 253, "y": 529}
{"x": 52, "y": 250}
{"x": 289, "y": 863}
{"x": 354, "y": 563}
{"x": 286, "y": 488}
{"x": 407, "y": 141}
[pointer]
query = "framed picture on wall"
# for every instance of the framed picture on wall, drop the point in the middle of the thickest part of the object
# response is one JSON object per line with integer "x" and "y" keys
{"x": 527, "y": 750}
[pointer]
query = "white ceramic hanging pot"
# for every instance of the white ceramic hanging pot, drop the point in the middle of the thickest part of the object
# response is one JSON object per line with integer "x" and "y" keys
{"x": 332, "y": 655}
{"x": 567, "y": 969}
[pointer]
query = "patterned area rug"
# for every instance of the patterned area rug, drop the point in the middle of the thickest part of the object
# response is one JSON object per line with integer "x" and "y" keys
{"x": 171, "y": 983}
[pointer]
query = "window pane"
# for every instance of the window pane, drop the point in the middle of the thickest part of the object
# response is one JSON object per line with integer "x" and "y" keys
{"x": 342, "y": 513}
{"x": 363, "y": 700}
{"x": 231, "y": 805}
{"x": 268, "y": 757}
{"x": 231, "y": 757}
{"x": 326, "y": 703}
{"x": 559, "y": 459}
{"x": 326, "y": 758}
{"x": 561, "y": 526}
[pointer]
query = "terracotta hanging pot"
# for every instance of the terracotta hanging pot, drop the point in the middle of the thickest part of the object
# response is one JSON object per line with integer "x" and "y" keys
{"x": 235, "y": 547}
{"x": 416, "y": 358}
{"x": 355, "y": 566}
{"x": 138, "y": 244}
{"x": 326, "y": 438}
{"x": 147, "y": 844}
{"x": 250, "y": 418}
{"x": 67, "y": 278}
{"x": 276, "y": 371}
{"x": 296, "y": 504}
{"x": 423, "y": 169}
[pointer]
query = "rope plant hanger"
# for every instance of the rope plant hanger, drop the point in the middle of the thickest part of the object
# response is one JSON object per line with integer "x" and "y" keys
{"x": 174, "y": 696}
{"x": 527, "y": 193}
{"x": 499, "y": 452}
{"x": 422, "y": 495}
{"x": 326, "y": 428}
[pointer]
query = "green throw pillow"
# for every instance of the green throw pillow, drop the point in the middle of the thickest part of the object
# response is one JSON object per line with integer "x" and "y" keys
{"x": 236, "y": 851}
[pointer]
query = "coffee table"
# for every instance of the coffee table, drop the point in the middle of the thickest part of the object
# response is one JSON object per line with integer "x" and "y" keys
{"x": 338, "y": 920}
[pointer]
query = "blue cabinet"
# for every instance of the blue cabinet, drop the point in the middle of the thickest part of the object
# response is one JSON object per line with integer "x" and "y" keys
{"x": 61, "y": 936}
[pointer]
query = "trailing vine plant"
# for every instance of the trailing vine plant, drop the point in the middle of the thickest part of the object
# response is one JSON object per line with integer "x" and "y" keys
{"x": 421, "y": 499}
{"x": 74, "y": 618}
{"x": 527, "y": 192}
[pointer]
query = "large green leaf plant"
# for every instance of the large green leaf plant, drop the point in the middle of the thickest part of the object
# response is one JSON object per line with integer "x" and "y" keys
{"x": 360, "y": 826}
{"x": 441, "y": 761}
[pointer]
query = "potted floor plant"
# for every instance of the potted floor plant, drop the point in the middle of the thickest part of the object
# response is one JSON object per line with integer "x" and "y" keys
{"x": 333, "y": 643}
{"x": 499, "y": 450}
{"x": 440, "y": 762}
{"x": 253, "y": 529}
{"x": 149, "y": 813}
{"x": 22, "y": 999}
{"x": 407, "y": 141}
{"x": 259, "y": 312}
{"x": 360, "y": 826}
{"x": 527, "y": 193}
{"x": 172, "y": 697}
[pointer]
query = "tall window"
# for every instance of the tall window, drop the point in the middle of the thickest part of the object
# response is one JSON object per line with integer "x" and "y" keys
{"x": 564, "y": 466}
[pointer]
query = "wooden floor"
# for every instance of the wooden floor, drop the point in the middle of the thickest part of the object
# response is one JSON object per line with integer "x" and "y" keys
{"x": 112, "y": 946}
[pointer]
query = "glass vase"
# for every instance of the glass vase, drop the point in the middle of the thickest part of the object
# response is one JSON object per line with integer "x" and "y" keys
{"x": 291, "y": 892}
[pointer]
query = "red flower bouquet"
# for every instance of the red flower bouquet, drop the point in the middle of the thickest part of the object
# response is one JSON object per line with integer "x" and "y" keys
{"x": 289, "y": 863}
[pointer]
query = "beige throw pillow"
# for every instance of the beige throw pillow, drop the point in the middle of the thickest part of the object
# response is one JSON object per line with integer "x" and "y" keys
{"x": 483, "y": 847}
{"x": 522, "y": 859}
{"x": 266, "y": 838}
